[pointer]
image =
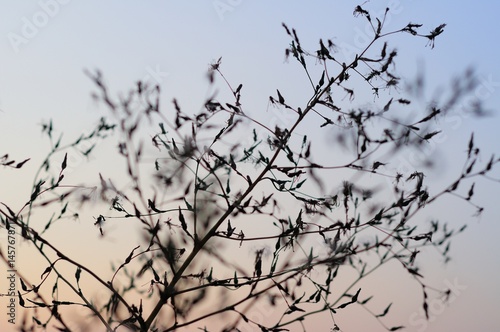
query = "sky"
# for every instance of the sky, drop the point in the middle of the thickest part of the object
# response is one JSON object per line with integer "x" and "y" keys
{"x": 46, "y": 46}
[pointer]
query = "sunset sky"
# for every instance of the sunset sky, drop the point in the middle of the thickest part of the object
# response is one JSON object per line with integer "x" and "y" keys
{"x": 47, "y": 45}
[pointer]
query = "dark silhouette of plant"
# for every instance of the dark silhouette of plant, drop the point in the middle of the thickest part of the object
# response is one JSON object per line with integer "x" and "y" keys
{"x": 222, "y": 182}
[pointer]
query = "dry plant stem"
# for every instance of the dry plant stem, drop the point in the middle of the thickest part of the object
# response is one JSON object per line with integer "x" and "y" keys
{"x": 199, "y": 245}
{"x": 95, "y": 276}
{"x": 167, "y": 292}
{"x": 232, "y": 307}
{"x": 343, "y": 295}
{"x": 287, "y": 268}
{"x": 40, "y": 296}
{"x": 76, "y": 291}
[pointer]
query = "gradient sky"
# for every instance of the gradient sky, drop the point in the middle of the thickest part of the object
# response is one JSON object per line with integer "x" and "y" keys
{"x": 172, "y": 43}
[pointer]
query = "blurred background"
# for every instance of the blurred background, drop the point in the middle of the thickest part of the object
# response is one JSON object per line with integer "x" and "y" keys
{"x": 46, "y": 46}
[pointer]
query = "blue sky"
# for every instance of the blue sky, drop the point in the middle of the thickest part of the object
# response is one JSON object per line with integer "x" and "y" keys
{"x": 45, "y": 46}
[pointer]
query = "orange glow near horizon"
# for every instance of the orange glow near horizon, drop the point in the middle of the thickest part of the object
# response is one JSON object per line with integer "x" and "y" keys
{"x": 47, "y": 48}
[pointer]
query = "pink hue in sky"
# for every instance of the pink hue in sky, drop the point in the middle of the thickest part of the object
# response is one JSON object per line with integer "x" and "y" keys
{"x": 41, "y": 77}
